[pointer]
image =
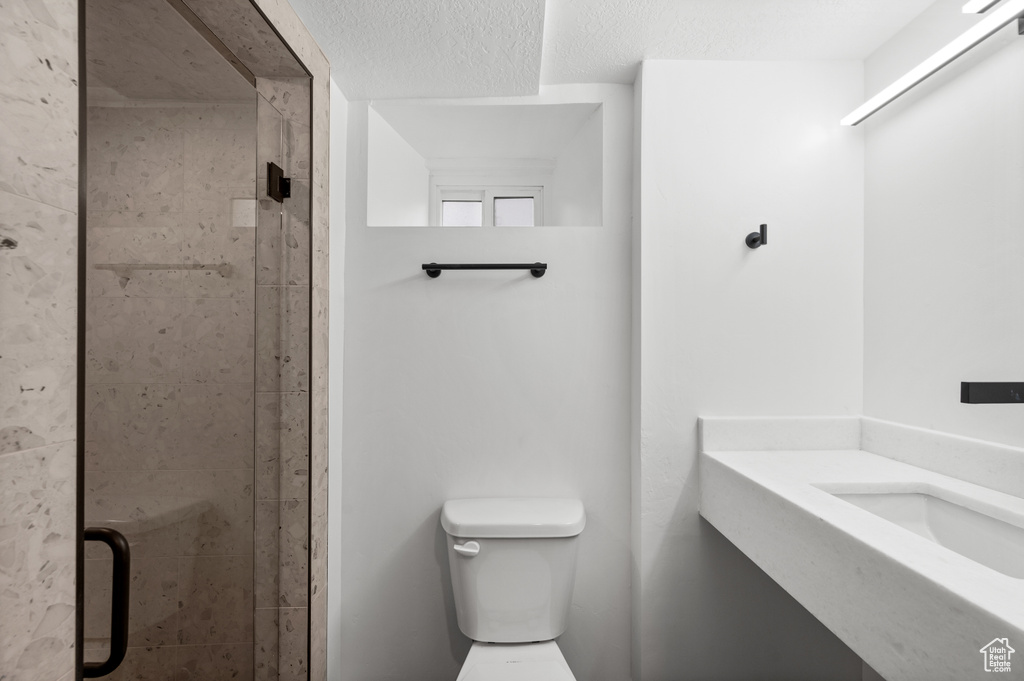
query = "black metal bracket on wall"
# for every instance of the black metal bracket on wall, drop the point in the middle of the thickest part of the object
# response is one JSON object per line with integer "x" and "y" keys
{"x": 991, "y": 393}
{"x": 279, "y": 187}
{"x": 537, "y": 269}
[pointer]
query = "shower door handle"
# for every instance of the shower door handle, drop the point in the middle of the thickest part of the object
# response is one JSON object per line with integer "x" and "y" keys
{"x": 119, "y": 600}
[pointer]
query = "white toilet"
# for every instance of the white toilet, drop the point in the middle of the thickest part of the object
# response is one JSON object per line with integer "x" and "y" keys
{"x": 513, "y": 566}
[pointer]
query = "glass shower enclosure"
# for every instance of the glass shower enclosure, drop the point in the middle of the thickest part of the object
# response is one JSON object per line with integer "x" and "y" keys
{"x": 197, "y": 353}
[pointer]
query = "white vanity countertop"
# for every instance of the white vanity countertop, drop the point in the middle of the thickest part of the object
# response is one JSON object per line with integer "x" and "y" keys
{"x": 910, "y": 607}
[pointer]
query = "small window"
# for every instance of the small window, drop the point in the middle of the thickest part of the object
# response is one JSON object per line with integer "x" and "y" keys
{"x": 482, "y": 206}
{"x": 462, "y": 213}
{"x": 513, "y": 211}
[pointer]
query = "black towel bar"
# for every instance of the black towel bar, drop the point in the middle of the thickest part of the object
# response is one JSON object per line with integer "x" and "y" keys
{"x": 537, "y": 269}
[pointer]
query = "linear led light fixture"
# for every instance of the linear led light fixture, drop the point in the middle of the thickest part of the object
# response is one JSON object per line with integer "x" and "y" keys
{"x": 974, "y": 35}
{"x": 978, "y": 6}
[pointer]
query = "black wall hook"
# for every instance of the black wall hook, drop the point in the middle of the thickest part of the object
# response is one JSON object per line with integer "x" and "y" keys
{"x": 758, "y": 239}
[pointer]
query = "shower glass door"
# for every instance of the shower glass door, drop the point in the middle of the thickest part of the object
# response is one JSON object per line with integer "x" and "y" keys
{"x": 197, "y": 353}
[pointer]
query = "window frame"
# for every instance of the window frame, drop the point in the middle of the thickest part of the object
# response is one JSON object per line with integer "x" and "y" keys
{"x": 486, "y": 194}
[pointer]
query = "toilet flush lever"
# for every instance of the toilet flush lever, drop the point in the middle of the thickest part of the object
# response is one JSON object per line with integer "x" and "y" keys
{"x": 470, "y": 548}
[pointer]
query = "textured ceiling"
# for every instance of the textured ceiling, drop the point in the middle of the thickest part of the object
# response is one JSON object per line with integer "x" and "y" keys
{"x": 478, "y": 132}
{"x": 143, "y": 49}
{"x": 604, "y": 40}
{"x": 383, "y": 49}
{"x": 462, "y": 48}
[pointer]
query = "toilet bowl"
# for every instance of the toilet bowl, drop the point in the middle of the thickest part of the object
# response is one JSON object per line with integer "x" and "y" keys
{"x": 541, "y": 661}
{"x": 513, "y": 566}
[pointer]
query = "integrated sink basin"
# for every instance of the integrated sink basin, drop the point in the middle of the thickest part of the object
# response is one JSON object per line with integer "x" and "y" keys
{"x": 972, "y": 534}
{"x": 914, "y": 569}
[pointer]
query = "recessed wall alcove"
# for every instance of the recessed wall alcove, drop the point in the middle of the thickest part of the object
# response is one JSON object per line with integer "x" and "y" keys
{"x": 445, "y": 164}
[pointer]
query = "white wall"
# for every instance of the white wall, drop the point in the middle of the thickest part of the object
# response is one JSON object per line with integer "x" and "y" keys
{"x": 399, "y": 182}
{"x": 483, "y": 384}
{"x": 336, "y": 335}
{"x": 944, "y": 244}
{"x": 725, "y": 330}
{"x": 576, "y": 181}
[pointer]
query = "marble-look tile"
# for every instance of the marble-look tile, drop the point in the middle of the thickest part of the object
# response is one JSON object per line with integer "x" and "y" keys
{"x": 220, "y": 200}
{"x": 218, "y": 159}
{"x": 321, "y": 247}
{"x": 247, "y": 35}
{"x": 157, "y": 426}
{"x": 131, "y": 166}
{"x": 282, "y": 553}
{"x": 134, "y": 340}
{"x": 143, "y": 506}
{"x": 270, "y": 140}
{"x": 282, "y": 446}
{"x": 156, "y": 663}
{"x": 194, "y": 116}
{"x": 37, "y": 562}
{"x": 217, "y": 340}
{"x": 282, "y": 332}
{"x": 130, "y": 426}
{"x": 266, "y": 652}
{"x": 320, "y": 212}
{"x": 285, "y": 21}
{"x": 214, "y": 662}
{"x": 293, "y": 643}
{"x": 215, "y": 600}
{"x": 320, "y": 362}
{"x": 117, "y": 240}
{"x": 153, "y": 603}
{"x": 318, "y": 541}
{"x": 226, "y": 525}
{"x": 18, "y": 439}
{"x": 220, "y": 116}
{"x": 38, "y": 313}
{"x": 171, "y": 513}
{"x": 289, "y": 96}
{"x": 39, "y": 91}
{"x": 96, "y": 609}
{"x": 318, "y": 637}
{"x": 293, "y": 579}
{"x": 268, "y": 552}
{"x": 283, "y": 249}
{"x": 158, "y": 56}
{"x": 215, "y": 427}
{"x": 297, "y": 138}
{"x": 226, "y": 254}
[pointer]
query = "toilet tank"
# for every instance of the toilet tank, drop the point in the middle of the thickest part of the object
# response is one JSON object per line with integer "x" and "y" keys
{"x": 513, "y": 565}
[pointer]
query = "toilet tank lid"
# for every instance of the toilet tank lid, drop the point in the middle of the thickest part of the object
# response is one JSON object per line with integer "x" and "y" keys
{"x": 520, "y": 517}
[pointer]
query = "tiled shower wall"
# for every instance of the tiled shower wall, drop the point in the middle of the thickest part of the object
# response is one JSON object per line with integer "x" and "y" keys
{"x": 173, "y": 390}
{"x": 170, "y": 329}
{"x": 282, "y": 385}
{"x": 38, "y": 289}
